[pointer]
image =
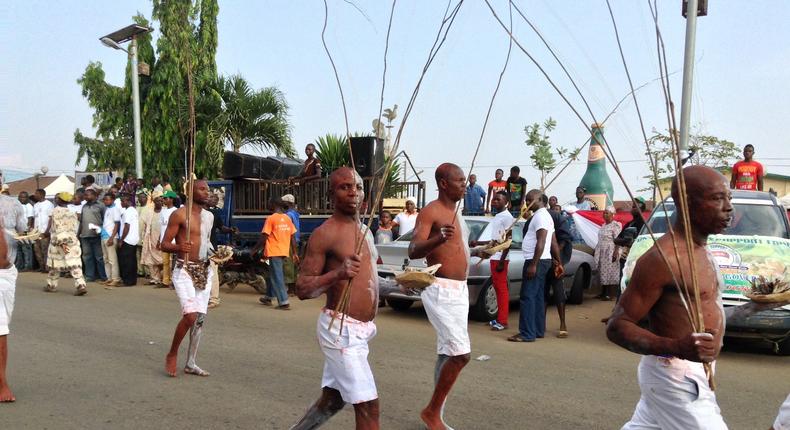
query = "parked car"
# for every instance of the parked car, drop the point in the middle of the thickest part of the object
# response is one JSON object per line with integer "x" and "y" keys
{"x": 756, "y": 243}
{"x": 393, "y": 257}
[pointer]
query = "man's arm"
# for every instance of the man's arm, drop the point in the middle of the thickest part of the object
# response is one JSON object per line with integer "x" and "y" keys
{"x": 732, "y": 178}
{"x": 124, "y": 233}
{"x": 488, "y": 198}
{"x": 295, "y": 248}
{"x": 760, "y": 178}
{"x": 421, "y": 245}
{"x": 260, "y": 244}
{"x": 311, "y": 282}
{"x": 532, "y": 269}
{"x": 115, "y": 226}
{"x": 645, "y": 288}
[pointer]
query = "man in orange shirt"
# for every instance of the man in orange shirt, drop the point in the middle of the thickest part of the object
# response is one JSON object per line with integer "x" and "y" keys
{"x": 747, "y": 174}
{"x": 278, "y": 236}
{"x": 495, "y": 186}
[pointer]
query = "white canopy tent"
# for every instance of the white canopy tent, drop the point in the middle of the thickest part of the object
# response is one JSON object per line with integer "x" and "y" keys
{"x": 62, "y": 183}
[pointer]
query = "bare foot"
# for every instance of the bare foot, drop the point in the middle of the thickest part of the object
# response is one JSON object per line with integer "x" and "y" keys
{"x": 170, "y": 365}
{"x": 432, "y": 421}
{"x": 6, "y": 396}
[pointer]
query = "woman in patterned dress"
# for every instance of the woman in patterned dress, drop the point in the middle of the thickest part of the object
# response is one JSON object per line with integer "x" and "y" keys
{"x": 64, "y": 252}
{"x": 607, "y": 254}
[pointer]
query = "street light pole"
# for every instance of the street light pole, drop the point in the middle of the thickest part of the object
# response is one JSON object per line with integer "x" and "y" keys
{"x": 688, "y": 76}
{"x": 138, "y": 150}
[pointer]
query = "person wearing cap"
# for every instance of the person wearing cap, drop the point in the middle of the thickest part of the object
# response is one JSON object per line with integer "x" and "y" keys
{"x": 406, "y": 220}
{"x": 289, "y": 268}
{"x": 64, "y": 253}
{"x": 277, "y": 239}
{"x": 149, "y": 237}
{"x": 168, "y": 201}
{"x": 607, "y": 254}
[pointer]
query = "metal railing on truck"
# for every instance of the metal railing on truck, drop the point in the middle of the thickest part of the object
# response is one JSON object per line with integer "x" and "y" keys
{"x": 251, "y": 197}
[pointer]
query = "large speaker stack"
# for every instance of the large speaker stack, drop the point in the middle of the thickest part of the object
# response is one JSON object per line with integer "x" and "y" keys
{"x": 368, "y": 153}
{"x": 236, "y": 165}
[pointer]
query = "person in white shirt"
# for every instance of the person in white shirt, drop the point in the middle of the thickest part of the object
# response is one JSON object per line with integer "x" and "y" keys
{"x": 25, "y": 255}
{"x": 537, "y": 247}
{"x": 127, "y": 242}
{"x": 168, "y": 200}
{"x": 500, "y": 229}
{"x": 42, "y": 210}
{"x": 406, "y": 220}
{"x": 109, "y": 234}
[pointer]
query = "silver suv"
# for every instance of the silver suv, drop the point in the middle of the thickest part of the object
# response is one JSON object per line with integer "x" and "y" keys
{"x": 394, "y": 257}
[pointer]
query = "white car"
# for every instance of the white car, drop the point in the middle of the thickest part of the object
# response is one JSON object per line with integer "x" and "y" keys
{"x": 394, "y": 257}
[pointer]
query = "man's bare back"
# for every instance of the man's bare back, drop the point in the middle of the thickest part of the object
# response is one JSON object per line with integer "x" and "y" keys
{"x": 336, "y": 240}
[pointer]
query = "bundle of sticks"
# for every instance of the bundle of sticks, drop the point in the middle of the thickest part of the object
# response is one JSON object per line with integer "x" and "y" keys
{"x": 769, "y": 290}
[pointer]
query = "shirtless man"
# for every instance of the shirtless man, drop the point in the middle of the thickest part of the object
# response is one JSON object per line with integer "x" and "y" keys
{"x": 675, "y": 390}
{"x": 446, "y": 244}
{"x": 191, "y": 275}
{"x": 330, "y": 262}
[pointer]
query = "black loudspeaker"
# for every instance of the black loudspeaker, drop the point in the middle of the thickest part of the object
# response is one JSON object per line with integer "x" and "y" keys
{"x": 236, "y": 165}
{"x": 368, "y": 153}
{"x": 282, "y": 167}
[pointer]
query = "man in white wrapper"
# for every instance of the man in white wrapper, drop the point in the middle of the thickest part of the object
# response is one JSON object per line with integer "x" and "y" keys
{"x": 331, "y": 265}
{"x": 676, "y": 393}
{"x": 446, "y": 302}
{"x": 191, "y": 274}
{"x": 12, "y": 221}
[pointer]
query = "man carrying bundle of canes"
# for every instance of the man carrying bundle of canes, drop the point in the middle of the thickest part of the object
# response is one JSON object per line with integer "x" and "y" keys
{"x": 676, "y": 393}
{"x": 345, "y": 325}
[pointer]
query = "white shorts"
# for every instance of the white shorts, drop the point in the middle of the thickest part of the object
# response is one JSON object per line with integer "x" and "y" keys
{"x": 192, "y": 300}
{"x": 346, "y": 367}
{"x": 783, "y": 419}
{"x": 675, "y": 395}
{"x": 446, "y": 303}
{"x": 7, "y": 290}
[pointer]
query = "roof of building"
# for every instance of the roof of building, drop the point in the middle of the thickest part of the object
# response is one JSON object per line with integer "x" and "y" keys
{"x": 29, "y": 184}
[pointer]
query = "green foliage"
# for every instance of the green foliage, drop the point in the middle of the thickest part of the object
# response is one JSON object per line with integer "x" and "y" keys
{"x": 708, "y": 151}
{"x": 246, "y": 117}
{"x": 542, "y": 156}
{"x": 187, "y": 40}
{"x": 332, "y": 151}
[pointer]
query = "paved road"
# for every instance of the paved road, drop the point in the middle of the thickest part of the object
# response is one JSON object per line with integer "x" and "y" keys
{"x": 96, "y": 362}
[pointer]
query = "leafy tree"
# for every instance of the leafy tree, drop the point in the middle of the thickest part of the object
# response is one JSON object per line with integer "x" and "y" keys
{"x": 707, "y": 150}
{"x": 542, "y": 156}
{"x": 247, "y": 117}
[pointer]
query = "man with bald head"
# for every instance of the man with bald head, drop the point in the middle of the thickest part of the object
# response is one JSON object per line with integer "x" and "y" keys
{"x": 192, "y": 274}
{"x": 331, "y": 263}
{"x": 675, "y": 390}
{"x": 446, "y": 302}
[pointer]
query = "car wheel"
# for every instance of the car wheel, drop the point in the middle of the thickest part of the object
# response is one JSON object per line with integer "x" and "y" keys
{"x": 486, "y": 307}
{"x": 399, "y": 304}
{"x": 580, "y": 282}
{"x": 783, "y": 347}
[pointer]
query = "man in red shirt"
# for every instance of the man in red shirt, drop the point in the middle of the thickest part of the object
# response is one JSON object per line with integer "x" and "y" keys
{"x": 494, "y": 187}
{"x": 747, "y": 174}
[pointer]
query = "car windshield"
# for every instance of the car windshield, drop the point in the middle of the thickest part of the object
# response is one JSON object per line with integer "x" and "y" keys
{"x": 475, "y": 228}
{"x": 747, "y": 220}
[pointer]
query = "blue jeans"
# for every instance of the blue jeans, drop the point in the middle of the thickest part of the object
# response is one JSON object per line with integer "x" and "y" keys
{"x": 276, "y": 287}
{"x": 531, "y": 315}
{"x": 24, "y": 256}
{"x": 92, "y": 259}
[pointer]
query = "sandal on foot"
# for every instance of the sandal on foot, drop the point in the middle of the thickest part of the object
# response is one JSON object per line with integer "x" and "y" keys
{"x": 562, "y": 334}
{"x": 48, "y": 289}
{"x": 519, "y": 338}
{"x": 81, "y": 291}
{"x": 196, "y": 371}
{"x": 285, "y": 307}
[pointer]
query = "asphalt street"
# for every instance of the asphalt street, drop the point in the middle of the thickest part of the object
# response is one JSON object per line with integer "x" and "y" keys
{"x": 96, "y": 362}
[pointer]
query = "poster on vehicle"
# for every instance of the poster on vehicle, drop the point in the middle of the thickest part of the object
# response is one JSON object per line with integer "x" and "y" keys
{"x": 740, "y": 259}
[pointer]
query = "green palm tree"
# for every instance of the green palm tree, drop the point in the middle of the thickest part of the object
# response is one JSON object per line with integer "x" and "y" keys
{"x": 247, "y": 117}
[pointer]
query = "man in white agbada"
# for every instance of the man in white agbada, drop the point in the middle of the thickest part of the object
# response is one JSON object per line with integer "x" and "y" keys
{"x": 675, "y": 389}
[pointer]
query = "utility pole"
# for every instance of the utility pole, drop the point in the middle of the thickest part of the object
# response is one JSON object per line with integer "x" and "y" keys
{"x": 138, "y": 149}
{"x": 690, "y": 11}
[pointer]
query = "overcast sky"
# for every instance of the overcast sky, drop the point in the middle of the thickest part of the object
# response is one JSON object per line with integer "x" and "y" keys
{"x": 741, "y": 90}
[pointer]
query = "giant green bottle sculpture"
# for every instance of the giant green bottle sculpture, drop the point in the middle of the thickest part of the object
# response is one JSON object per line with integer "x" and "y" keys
{"x": 595, "y": 180}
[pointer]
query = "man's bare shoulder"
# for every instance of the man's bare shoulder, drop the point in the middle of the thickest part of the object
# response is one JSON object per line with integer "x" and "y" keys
{"x": 432, "y": 210}
{"x": 652, "y": 266}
